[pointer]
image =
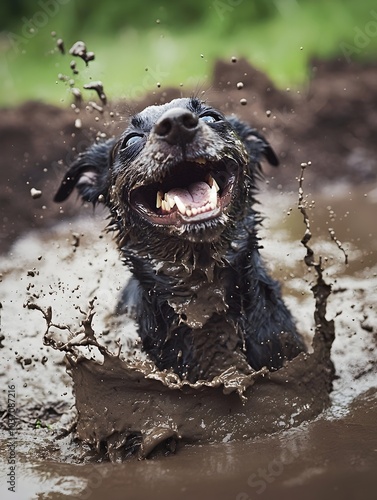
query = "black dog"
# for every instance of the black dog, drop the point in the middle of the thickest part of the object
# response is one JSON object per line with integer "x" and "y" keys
{"x": 180, "y": 186}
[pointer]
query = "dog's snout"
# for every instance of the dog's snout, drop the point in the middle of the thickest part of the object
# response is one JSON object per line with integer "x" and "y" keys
{"x": 177, "y": 126}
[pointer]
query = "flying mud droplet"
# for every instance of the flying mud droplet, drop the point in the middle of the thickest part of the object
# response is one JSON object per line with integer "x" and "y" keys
{"x": 78, "y": 123}
{"x": 35, "y": 193}
{"x": 98, "y": 87}
{"x": 76, "y": 240}
{"x": 234, "y": 59}
{"x": 79, "y": 49}
{"x": 60, "y": 45}
{"x": 243, "y": 102}
{"x": 63, "y": 78}
{"x": 77, "y": 95}
{"x": 268, "y": 113}
{"x": 240, "y": 85}
{"x": 94, "y": 105}
{"x": 72, "y": 65}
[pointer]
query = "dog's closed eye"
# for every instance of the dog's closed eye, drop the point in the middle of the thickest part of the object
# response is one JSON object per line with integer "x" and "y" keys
{"x": 130, "y": 140}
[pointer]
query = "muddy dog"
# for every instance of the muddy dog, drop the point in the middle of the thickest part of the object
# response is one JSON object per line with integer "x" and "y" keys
{"x": 180, "y": 185}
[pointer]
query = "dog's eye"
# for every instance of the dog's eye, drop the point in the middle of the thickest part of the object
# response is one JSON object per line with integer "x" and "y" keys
{"x": 209, "y": 118}
{"x": 131, "y": 139}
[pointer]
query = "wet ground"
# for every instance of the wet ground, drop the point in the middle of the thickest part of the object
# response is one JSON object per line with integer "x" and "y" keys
{"x": 333, "y": 456}
{"x": 65, "y": 264}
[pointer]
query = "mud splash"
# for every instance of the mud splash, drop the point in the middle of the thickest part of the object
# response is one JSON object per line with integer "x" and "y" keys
{"x": 159, "y": 407}
{"x": 137, "y": 407}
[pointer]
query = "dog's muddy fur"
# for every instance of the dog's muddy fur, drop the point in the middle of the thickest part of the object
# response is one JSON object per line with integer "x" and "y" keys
{"x": 201, "y": 296}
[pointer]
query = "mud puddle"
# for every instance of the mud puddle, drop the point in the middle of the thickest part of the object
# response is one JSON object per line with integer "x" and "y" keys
{"x": 332, "y": 457}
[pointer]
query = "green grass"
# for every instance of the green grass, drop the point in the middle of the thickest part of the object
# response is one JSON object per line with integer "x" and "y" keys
{"x": 281, "y": 46}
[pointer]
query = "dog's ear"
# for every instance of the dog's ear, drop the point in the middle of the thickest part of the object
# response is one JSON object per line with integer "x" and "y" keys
{"x": 89, "y": 173}
{"x": 255, "y": 143}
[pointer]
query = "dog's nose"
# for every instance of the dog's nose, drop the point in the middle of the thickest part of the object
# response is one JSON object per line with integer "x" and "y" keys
{"x": 177, "y": 126}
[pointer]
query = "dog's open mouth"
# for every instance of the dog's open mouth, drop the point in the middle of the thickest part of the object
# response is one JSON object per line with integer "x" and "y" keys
{"x": 192, "y": 191}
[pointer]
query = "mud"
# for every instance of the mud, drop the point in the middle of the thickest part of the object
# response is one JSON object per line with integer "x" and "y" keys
{"x": 79, "y": 49}
{"x": 332, "y": 456}
{"x": 138, "y": 408}
{"x": 98, "y": 87}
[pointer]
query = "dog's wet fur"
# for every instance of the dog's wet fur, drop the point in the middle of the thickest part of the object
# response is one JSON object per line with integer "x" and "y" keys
{"x": 199, "y": 291}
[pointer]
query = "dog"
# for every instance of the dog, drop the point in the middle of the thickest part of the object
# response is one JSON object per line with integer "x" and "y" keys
{"x": 180, "y": 185}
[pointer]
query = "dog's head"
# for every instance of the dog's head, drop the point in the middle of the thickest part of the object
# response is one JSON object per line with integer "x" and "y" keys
{"x": 180, "y": 169}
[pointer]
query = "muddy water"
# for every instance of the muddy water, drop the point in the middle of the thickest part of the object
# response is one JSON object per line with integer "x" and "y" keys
{"x": 333, "y": 456}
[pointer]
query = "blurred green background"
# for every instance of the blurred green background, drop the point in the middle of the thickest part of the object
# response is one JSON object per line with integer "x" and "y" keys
{"x": 177, "y": 41}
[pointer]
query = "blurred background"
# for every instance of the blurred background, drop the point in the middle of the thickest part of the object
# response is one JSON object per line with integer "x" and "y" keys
{"x": 177, "y": 42}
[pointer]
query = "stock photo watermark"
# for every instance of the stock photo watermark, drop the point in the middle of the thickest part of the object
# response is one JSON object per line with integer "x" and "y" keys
{"x": 47, "y": 9}
{"x": 362, "y": 38}
{"x": 11, "y": 464}
{"x": 259, "y": 480}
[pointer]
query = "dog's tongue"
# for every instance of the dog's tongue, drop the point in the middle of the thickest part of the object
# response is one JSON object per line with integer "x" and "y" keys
{"x": 196, "y": 195}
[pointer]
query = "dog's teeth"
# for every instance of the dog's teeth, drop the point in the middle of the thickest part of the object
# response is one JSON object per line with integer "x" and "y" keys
{"x": 188, "y": 212}
{"x": 213, "y": 194}
{"x": 165, "y": 206}
{"x": 180, "y": 205}
{"x": 194, "y": 211}
{"x": 159, "y": 198}
{"x": 211, "y": 182}
{"x": 169, "y": 200}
